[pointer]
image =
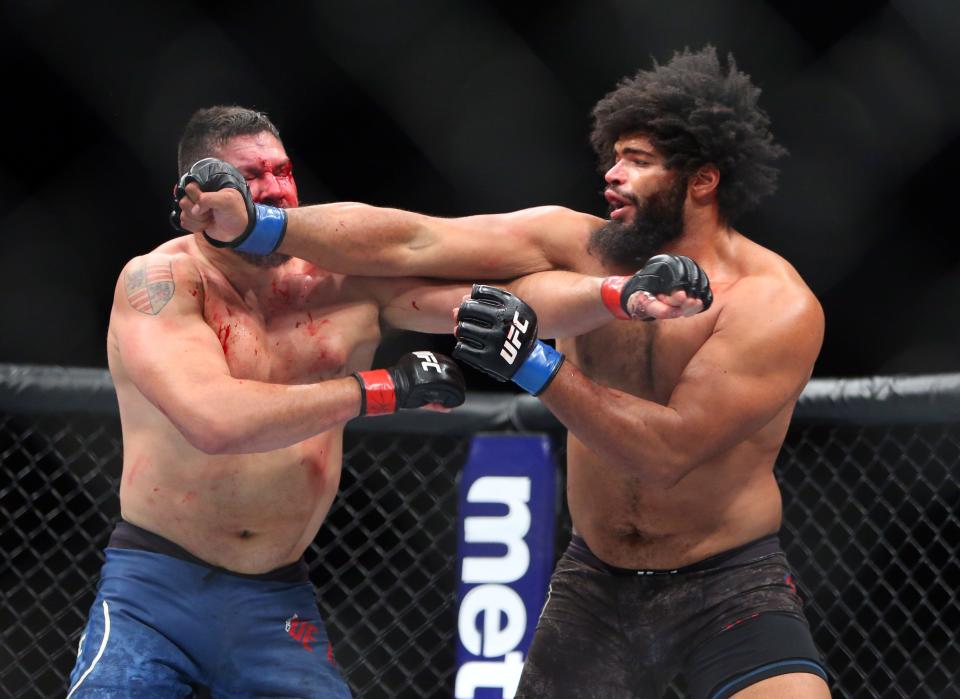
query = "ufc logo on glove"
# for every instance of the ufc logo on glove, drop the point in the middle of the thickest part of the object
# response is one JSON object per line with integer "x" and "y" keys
{"x": 507, "y": 350}
{"x": 429, "y": 361}
{"x": 514, "y": 337}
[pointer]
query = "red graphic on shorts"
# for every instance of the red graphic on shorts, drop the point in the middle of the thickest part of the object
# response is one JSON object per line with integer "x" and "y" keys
{"x": 790, "y": 583}
{"x": 302, "y": 631}
{"x": 740, "y": 621}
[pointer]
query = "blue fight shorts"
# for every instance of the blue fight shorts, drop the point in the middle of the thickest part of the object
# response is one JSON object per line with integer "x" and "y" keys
{"x": 169, "y": 625}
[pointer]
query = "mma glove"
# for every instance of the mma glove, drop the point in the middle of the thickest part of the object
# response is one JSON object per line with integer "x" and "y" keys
{"x": 419, "y": 378}
{"x": 266, "y": 225}
{"x": 663, "y": 274}
{"x": 497, "y": 334}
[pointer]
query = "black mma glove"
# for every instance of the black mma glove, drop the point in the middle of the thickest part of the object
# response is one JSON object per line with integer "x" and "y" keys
{"x": 265, "y": 224}
{"x": 417, "y": 379}
{"x": 497, "y": 334}
{"x": 663, "y": 274}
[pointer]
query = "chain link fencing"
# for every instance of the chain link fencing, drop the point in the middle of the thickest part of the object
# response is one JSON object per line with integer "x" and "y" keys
{"x": 869, "y": 475}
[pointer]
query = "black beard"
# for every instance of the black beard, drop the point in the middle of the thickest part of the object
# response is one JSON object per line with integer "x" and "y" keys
{"x": 274, "y": 259}
{"x": 656, "y": 222}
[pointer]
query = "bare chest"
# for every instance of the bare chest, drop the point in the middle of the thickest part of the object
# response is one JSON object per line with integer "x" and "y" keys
{"x": 643, "y": 359}
{"x": 290, "y": 338}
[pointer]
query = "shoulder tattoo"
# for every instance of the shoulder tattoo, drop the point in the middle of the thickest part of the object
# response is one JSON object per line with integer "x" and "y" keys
{"x": 149, "y": 286}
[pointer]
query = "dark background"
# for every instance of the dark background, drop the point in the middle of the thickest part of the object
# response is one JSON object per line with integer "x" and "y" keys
{"x": 459, "y": 106}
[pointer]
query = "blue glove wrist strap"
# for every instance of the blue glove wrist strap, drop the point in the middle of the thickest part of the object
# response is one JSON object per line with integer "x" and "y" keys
{"x": 267, "y": 233}
{"x": 538, "y": 370}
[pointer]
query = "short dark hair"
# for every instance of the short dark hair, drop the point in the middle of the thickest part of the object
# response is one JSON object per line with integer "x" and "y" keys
{"x": 695, "y": 112}
{"x": 209, "y": 128}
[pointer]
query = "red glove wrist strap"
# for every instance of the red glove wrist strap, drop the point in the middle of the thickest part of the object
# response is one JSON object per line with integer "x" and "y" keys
{"x": 610, "y": 293}
{"x": 377, "y": 392}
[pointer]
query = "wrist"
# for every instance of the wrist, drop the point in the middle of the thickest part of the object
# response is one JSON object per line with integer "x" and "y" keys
{"x": 378, "y": 392}
{"x": 538, "y": 369}
{"x": 267, "y": 231}
{"x": 611, "y": 293}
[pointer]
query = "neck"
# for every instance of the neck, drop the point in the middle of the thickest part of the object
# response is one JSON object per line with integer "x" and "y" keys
{"x": 243, "y": 276}
{"x": 705, "y": 238}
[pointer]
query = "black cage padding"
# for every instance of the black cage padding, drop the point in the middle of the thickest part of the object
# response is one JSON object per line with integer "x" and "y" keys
{"x": 933, "y": 398}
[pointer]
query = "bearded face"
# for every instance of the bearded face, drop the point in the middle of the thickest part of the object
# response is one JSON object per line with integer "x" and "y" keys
{"x": 658, "y": 219}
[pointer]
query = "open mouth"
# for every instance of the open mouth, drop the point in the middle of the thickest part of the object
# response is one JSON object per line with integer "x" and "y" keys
{"x": 619, "y": 206}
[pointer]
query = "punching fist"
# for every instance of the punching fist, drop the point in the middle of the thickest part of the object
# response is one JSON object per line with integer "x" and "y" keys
{"x": 418, "y": 379}
{"x": 497, "y": 334}
{"x": 259, "y": 228}
{"x": 658, "y": 283}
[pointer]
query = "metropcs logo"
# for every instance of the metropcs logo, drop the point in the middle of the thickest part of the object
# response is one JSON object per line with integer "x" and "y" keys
{"x": 490, "y": 599}
{"x": 506, "y": 502}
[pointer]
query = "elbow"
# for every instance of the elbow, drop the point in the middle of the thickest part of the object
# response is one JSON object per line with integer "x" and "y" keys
{"x": 671, "y": 476}
{"x": 662, "y": 475}
{"x": 196, "y": 411}
{"x": 682, "y": 463}
{"x": 675, "y": 465}
{"x": 209, "y": 434}
{"x": 210, "y": 444}
{"x": 210, "y": 441}
{"x": 661, "y": 472}
{"x": 683, "y": 451}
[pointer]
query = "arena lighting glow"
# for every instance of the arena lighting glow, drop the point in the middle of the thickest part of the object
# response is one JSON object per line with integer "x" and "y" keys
{"x": 505, "y": 555}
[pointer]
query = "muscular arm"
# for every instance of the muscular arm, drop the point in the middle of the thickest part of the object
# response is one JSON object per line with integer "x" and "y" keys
{"x": 752, "y": 367}
{"x": 358, "y": 239}
{"x": 567, "y": 304}
{"x": 175, "y": 360}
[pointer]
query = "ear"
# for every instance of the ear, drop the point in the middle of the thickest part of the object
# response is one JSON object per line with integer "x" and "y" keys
{"x": 704, "y": 182}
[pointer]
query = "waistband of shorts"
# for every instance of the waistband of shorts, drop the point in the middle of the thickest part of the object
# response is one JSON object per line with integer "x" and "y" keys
{"x": 129, "y": 536}
{"x": 739, "y": 555}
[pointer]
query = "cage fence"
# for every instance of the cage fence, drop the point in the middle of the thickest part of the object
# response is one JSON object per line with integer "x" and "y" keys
{"x": 869, "y": 475}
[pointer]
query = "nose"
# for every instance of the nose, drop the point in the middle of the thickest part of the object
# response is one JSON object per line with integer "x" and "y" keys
{"x": 615, "y": 175}
{"x": 269, "y": 190}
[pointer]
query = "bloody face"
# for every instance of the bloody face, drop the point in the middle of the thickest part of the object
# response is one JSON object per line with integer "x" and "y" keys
{"x": 264, "y": 163}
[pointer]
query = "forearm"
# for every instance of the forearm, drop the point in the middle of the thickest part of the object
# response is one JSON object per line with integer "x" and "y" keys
{"x": 359, "y": 239}
{"x": 242, "y": 416}
{"x": 364, "y": 240}
{"x": 351, "y": 238}
{"x": 628, "y": 433}
{"x": 567, "y": 304}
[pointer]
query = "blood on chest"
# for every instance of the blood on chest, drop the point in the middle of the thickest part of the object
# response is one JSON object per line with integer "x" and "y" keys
{"x": 295, "y": 347}
{"x": 310, "y": 350}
